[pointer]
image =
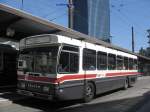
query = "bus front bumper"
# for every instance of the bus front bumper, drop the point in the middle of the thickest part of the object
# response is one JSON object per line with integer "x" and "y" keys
{"x": 35, "y": 94}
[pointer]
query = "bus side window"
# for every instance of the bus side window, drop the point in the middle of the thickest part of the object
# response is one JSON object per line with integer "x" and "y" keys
{"x": 63, "y": 62}
{"x": 131, "y": 63}
{"x": 69, "y": 61}
{"x": 111, "y": 62}
{"x": 135, "y": 65}
{"x": 101, "y": 60}
{"x": 120, "y": 65}
{"x": 89, "y": 59}
{"x": 126, "y": 63}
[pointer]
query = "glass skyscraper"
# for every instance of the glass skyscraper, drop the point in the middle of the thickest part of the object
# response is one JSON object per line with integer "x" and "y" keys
{"x": 92, "y": 17}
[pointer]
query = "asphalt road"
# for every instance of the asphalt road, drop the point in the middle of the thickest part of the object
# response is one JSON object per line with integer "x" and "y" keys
{"x": 130, "y": 100}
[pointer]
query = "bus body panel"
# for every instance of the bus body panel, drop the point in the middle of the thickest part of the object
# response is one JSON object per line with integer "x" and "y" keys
{"x": 67, "y": 86}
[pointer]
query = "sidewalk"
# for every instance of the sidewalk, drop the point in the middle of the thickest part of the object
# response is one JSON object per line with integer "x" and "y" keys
{"x": 5, "y": 102}
{"x": 8, "y": 96}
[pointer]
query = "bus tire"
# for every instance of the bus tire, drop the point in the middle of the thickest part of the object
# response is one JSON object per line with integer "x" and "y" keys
{"x": 126, "y": 84}
{"x": 89, "y": 92}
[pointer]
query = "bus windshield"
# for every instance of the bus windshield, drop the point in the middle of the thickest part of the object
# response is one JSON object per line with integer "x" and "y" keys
{"x": 41, "y": 60}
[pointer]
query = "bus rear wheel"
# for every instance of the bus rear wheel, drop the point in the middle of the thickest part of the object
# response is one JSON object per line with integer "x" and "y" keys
{"x": 126, "y": 84}
{"x": 89, "y": 92}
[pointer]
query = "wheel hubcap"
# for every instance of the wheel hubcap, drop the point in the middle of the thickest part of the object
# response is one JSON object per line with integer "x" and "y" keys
{"x": 89, "y": 91}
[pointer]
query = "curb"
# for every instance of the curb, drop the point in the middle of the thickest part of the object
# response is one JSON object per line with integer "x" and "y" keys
{"x": 4, "y": 102}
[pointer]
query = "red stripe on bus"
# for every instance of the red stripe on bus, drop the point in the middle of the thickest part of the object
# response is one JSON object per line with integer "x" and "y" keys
{"x": 21, "y": 76}
{"x": 45, "y": 79}
{"x": 58, "y": 80}
{"x": 73, "y": 77}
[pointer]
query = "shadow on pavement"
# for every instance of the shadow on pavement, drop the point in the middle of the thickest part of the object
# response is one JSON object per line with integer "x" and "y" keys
{"x": 9, "y": 94}
{"x": 122, "y": 105}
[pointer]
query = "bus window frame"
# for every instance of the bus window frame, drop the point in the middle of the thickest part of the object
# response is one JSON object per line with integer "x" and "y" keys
{"x": 126, "y": 59}
{"x": 103, "y": 53}
{"x": 39, "y": 46}
{"x": 73, "y": 52}
{"x": 112, "y": 55}
{"x": 135, "y": 64}
{"x": 95, "y": 67}
{"x": 131, "y": 63}
{"x": 119, "y": 58}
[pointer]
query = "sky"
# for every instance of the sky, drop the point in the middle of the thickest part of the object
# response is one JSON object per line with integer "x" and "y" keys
{"x": 123, "y": 15}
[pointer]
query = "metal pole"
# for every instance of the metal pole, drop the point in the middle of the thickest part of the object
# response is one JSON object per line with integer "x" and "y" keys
{"x": 148, "y": 37}
{"x": 70, "y": 13}
{"x": 21, "y": 4}
{"x": 133, "y": 39}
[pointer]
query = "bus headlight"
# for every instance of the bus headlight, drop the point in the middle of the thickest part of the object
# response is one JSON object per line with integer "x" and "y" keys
{"x": 45, "y": 89}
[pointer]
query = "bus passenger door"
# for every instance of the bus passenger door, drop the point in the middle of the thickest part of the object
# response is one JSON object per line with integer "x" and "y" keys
{"x": 69, "y": 68}
{"x": 89, "y": 67}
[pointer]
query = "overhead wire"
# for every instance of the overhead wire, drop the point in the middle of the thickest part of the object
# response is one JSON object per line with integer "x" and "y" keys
{"x": 52, "y": 12}
{"x": 123, "y": 13}
{"x": 130, "y": 21}
{"x": 45, "y": 6}
{"x": 58, "y": 17}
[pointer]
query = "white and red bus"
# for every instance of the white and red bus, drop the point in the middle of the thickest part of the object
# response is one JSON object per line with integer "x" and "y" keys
{"x": 56, "y": 67}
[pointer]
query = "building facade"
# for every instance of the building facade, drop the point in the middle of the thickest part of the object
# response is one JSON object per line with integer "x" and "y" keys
{"x": 92, "y": 17}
